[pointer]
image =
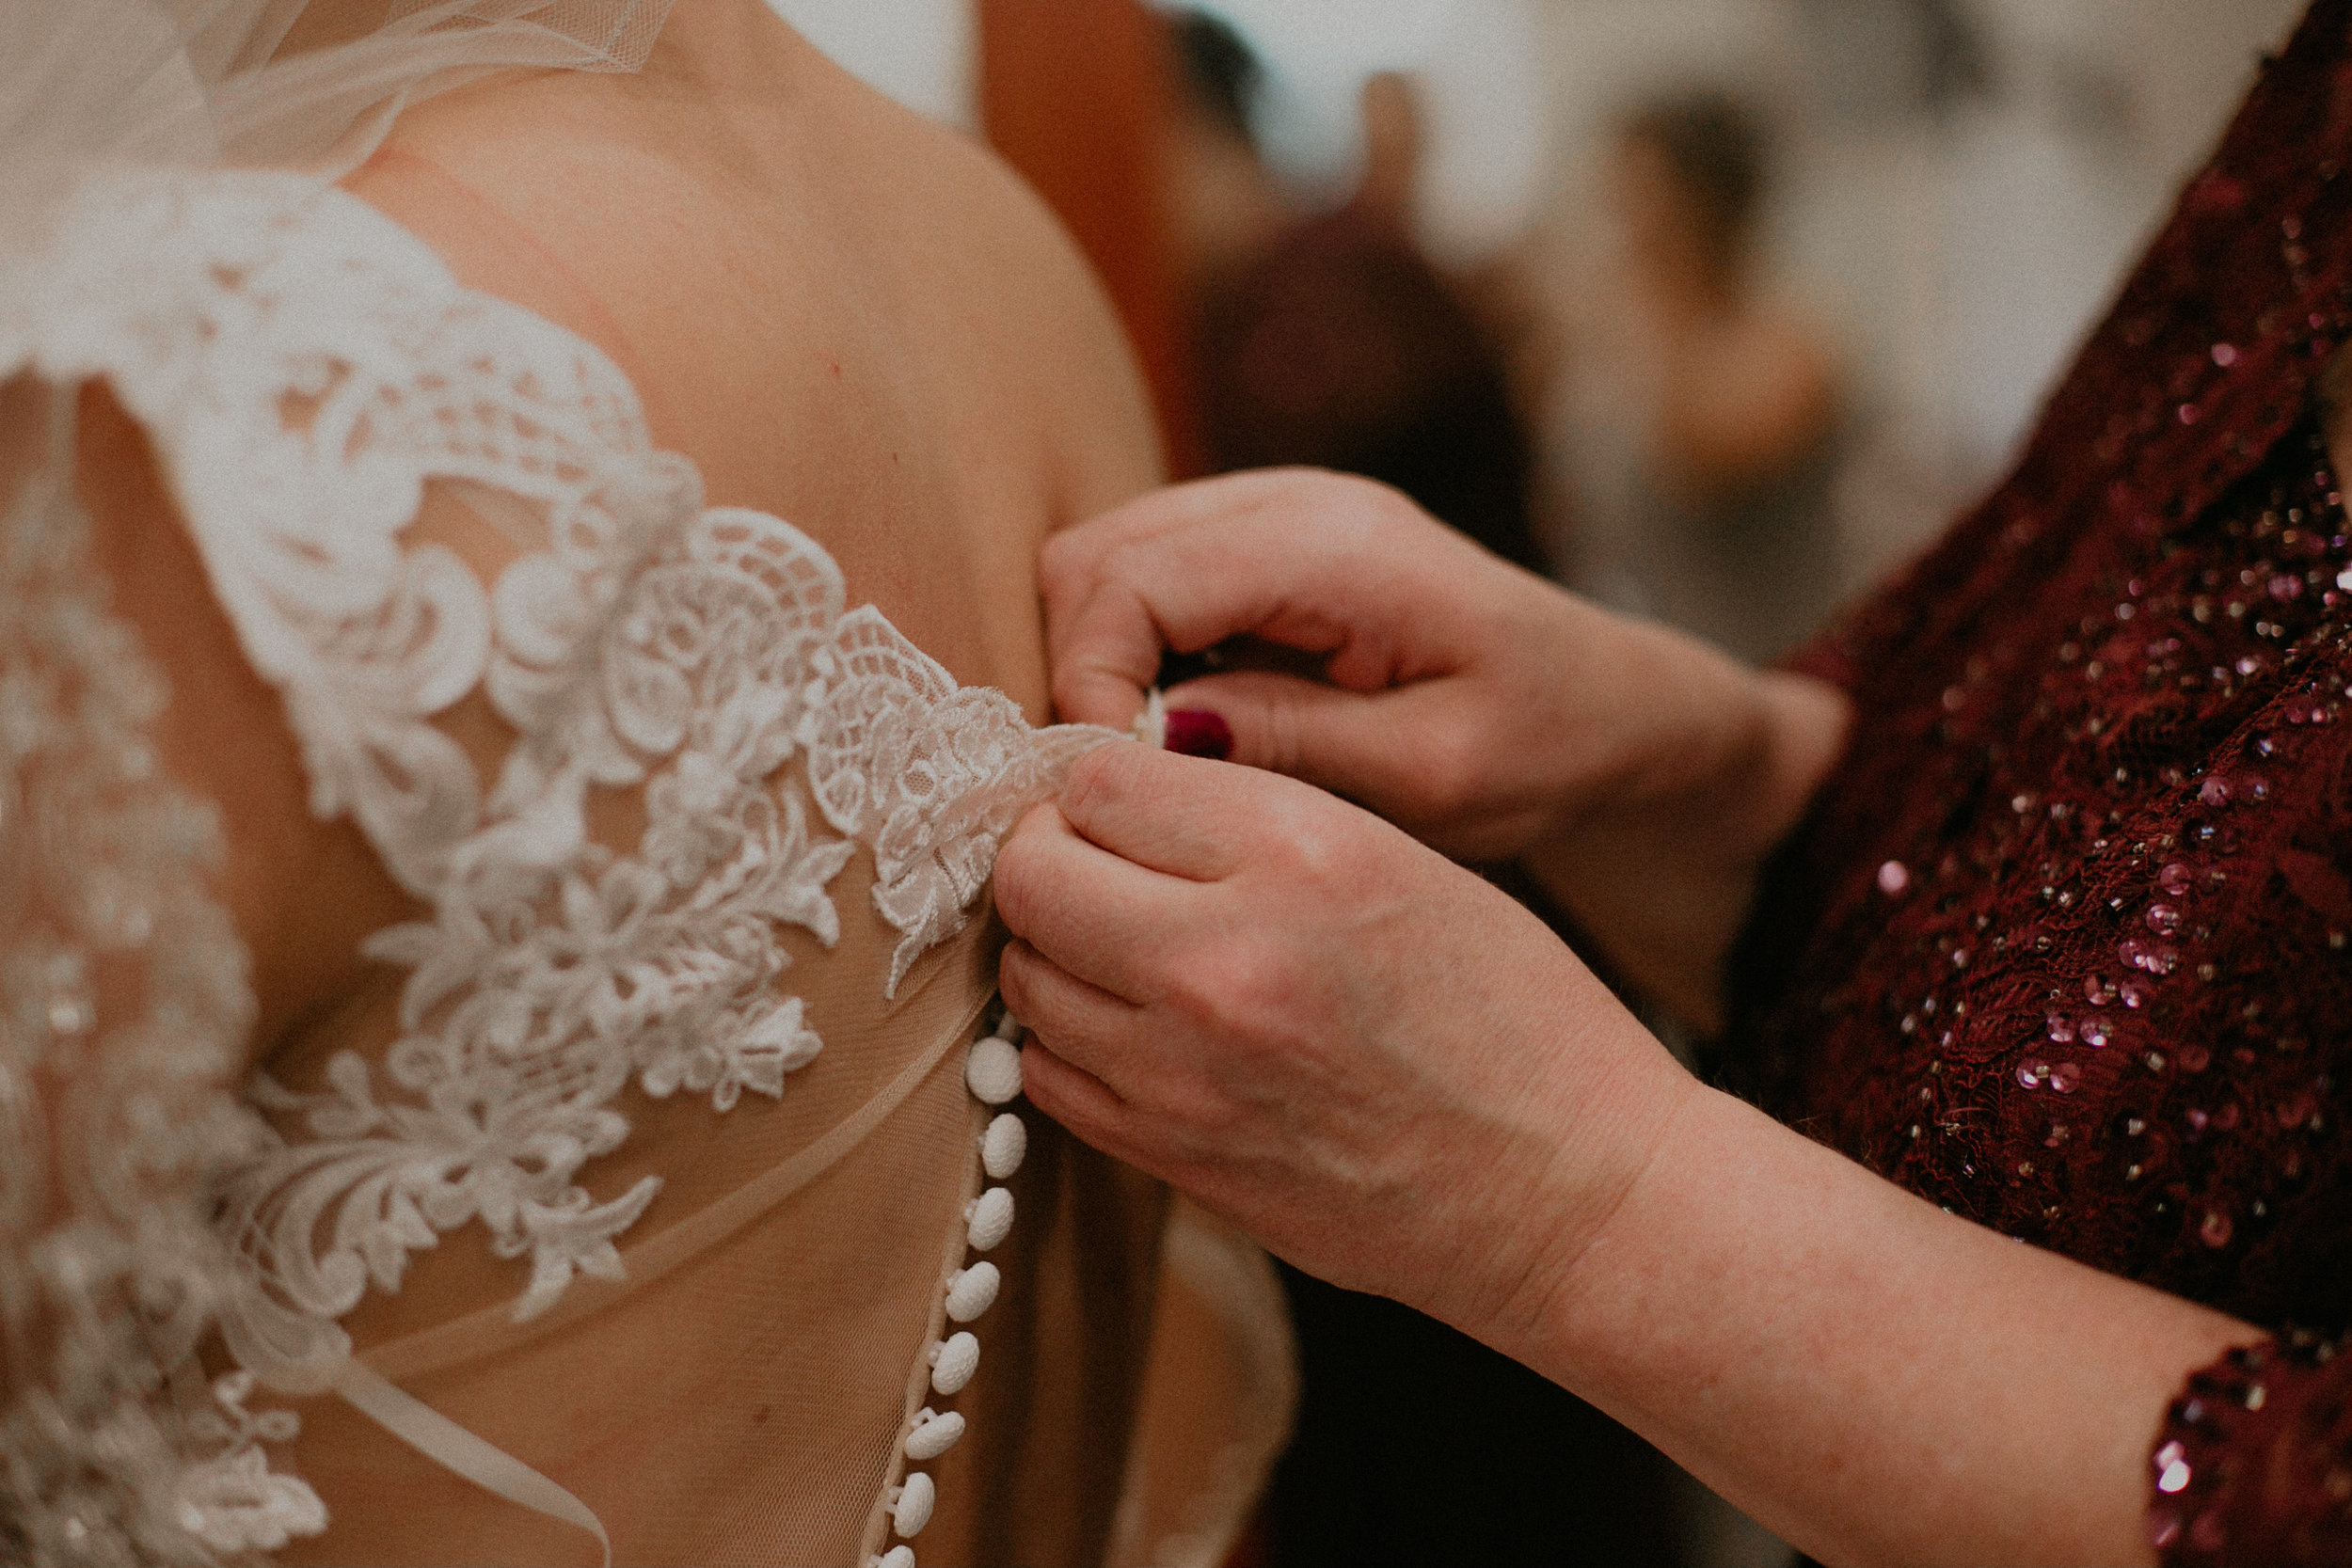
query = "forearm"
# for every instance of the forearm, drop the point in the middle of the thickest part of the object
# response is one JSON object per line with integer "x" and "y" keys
{"x": 1875, "y": 1380}
{"x": 1660, "y": 868}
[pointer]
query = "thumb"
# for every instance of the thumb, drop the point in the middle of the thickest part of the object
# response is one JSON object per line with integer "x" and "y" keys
{"x": 1361, "y": 746}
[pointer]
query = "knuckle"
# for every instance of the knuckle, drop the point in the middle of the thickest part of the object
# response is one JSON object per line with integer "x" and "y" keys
{"x": 1315, "y": 853}
{"x": 1378, "y": 509}
{"x": 1444, "y": 779}
{"x": 1196, "y": 988}
{"x": 1323, "y": 850}
{"x": 1018, "y": 881}
{"x": 1078, "y": 557}
{"x": 1192, "y": 1143}
{"x": 1236, "y": 988}
{"x": 1281, "y": 730}
{"x": 1064, "y": 554}
{"x": 1343, "y": 501}
{"x": 1013, "y": 982}
{"x": 1124, "y": 561}
{"x": 1360, "y": 511}
{"x": 1093, "y": 782}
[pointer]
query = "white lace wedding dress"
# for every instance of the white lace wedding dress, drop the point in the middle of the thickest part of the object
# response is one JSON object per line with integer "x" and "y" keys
{"x": 793, "y": 926}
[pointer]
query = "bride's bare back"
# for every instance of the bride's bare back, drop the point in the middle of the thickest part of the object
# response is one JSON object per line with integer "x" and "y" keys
{"x": 845, "y": 314}
{"x": 857, "y": 322}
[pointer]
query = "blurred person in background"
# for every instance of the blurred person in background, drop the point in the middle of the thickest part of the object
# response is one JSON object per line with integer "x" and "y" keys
{"x": 1226, "y": 209}
{"x": 1329, "y": 340}
{"x": 1697, "y": 417}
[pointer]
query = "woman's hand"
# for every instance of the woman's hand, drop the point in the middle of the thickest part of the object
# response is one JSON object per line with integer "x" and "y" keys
{"x": 1360, "y": 1053}
{"x": 1391, "y": 1074}
{"x": 1642, "y": 775}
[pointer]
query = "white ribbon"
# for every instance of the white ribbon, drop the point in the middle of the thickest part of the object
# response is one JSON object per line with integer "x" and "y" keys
{"x": 451, "y": 1446}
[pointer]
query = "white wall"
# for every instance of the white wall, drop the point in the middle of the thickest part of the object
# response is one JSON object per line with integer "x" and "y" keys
{"x": 1481, "y": 65}
{"x": 919, "y": 52}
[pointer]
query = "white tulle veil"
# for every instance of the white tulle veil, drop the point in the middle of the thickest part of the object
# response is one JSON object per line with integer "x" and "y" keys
{"x": 309, "y": 82}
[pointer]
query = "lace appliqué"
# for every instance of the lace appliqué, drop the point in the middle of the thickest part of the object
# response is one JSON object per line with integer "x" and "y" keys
{"x": 307, "y": 369}
{"x": 123, "y": 1011}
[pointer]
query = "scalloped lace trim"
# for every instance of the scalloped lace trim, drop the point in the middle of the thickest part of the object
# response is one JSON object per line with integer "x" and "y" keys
{"x": 306, "y": 367}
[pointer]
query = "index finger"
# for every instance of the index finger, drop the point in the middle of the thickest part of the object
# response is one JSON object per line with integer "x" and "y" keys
{"x": 1182, "y": 816}
{"x": 1188, "y": 567}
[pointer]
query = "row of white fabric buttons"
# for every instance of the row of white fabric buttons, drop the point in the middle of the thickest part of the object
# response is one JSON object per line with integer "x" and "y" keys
{"x": 993, "y": 1073}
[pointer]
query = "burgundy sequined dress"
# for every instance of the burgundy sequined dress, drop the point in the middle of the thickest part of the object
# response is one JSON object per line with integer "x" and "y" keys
{"x": 2063, "y": 944}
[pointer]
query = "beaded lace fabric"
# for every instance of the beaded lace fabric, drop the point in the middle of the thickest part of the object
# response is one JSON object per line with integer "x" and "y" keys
{"x": 2063, "y": 944}
{"x": 759, "y": 1016}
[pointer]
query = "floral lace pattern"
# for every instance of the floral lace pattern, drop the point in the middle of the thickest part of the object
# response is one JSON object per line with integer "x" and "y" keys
{"x": 306, "y": 368}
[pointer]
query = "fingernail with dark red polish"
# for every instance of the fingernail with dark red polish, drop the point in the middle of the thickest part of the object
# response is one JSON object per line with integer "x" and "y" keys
{"x": 1198, "y": 732}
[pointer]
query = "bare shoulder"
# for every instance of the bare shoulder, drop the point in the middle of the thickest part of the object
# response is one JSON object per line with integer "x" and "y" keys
{"x": 1041, "y": 292}
{"x": 756, "y": 248}
{"x": 844, "y": 314}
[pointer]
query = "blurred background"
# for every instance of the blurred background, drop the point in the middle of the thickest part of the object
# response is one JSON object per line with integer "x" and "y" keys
{"x": 1714, "y": 309}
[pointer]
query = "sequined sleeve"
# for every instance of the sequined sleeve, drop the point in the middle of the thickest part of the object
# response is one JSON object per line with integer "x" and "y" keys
{"x": 2254, "y": 1464}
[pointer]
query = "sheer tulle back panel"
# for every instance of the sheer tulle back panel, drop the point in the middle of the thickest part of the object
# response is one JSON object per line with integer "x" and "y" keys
{"x": 643, "y": 1156}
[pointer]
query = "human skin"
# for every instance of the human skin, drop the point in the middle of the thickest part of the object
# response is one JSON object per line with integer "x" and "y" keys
{"x": 1469, "y": 702}
{"x": 844, "y": 315}
{"x": 1395, "y": 1077}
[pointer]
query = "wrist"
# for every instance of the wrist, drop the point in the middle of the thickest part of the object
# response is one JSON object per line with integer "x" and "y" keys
{"x": 1601, "y": 1114}
{"x": 1657, "y": 857}
{"x": 1607, "y": 1306}
{"x": 1697, "y": 730}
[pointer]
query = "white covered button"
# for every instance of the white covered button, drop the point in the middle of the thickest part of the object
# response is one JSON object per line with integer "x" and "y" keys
{"x": 954, "y": 1361}
{"x": 990, "y": 1217}
{"x": 993, "y": 1071}
{"x": 898, "y": 1557}
{"x": 911, "y": 1505}
{"x": 972, "y": 1291}
{"x": 1004, "y": 1146}
{"x": 933, "y": 1435}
